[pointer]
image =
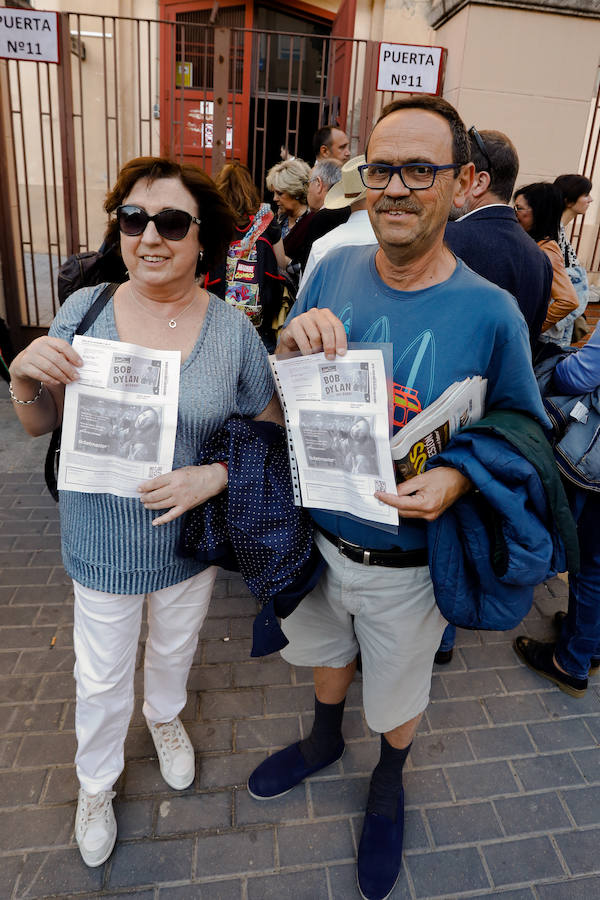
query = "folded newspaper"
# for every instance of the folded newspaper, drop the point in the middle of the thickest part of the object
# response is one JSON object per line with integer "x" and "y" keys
{"x": 429, "y": 432}
{"x": 120, "y": 417}
{"x": 337, "y": 423}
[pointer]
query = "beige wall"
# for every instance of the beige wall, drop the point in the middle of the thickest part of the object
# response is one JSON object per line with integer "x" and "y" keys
{"x": 401, "y": 21}
{"x": 404, "y": 22}
{"x": 143, "y": 9}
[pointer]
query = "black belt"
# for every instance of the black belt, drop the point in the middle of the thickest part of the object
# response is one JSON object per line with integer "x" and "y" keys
{"x": 395, "y": 559}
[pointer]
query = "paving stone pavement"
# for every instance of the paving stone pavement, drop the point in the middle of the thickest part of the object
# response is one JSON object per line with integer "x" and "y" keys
{"x": 502, "y": 784}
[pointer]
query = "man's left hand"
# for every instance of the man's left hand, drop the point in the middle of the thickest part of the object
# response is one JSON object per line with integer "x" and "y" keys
{"x": 428, "y": 495}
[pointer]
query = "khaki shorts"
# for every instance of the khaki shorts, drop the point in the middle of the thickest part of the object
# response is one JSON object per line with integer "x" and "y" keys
{"x": 389, "y": 614}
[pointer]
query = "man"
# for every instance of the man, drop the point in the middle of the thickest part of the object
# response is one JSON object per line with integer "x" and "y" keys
{"x": 323, "y": 175}
{"x": 487, "y": 236}
{"x": 331, "y": 142}
{"x": 376, "y": 595}
{"x": 348, "y": 194}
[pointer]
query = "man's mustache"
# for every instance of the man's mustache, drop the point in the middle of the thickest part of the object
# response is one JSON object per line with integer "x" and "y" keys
{"x": 387, "y": 204}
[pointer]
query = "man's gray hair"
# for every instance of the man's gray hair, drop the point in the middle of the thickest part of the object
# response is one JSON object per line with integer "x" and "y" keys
{"x": 329, "y": 171}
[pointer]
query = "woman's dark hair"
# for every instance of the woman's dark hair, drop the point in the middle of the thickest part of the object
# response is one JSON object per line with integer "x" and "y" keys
{"x": 236, "y": 185}
{"x": 217, "y": 220}
{"x": 546, "y": 205}
{"x": 572, "y": 187}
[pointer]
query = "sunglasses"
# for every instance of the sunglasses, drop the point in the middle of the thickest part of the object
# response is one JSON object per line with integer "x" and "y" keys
{"x": 475, "y": 136}
{"x": 171, "y": 224}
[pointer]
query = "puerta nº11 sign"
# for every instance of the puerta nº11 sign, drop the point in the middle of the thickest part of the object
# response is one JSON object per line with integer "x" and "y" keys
{"x": 28, "y": 34}
{"x": 410, "y": 68}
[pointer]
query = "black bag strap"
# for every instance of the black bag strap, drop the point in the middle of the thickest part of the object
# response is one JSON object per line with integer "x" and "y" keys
{"x": 52, "y": 453}
{"x": 51, "y": 463}
{"x": 96, "y": 308}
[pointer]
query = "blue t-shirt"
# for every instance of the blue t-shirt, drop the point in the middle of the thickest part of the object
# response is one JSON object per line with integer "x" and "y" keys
{"x": 464, "y": 326}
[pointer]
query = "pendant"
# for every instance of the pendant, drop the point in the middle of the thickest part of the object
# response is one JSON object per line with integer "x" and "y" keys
{"x": 172, "y": 323}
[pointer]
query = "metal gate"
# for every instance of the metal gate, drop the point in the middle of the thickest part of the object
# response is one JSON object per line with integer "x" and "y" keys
{"x": 130, "y": 87}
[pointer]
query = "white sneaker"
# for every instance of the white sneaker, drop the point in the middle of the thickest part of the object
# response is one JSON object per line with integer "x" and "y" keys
{"x": 175, "y": 753}
{"x": 95, "y": 826}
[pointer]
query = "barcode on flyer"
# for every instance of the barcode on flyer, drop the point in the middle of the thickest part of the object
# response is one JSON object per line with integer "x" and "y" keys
{"x": 379, "y": 485}
{"x": 154, "y": 471}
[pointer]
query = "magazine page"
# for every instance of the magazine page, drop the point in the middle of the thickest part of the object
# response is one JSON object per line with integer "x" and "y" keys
{"x": 428, "y": 433}
{"x": 338, "y": 433}
{"x": 119, "y": 418}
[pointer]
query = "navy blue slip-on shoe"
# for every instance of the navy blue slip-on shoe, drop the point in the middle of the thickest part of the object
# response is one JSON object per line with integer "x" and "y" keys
{"x": 539, "y": 656}
{"x": 380, "y": 854}
{"x": 281, "y": 772}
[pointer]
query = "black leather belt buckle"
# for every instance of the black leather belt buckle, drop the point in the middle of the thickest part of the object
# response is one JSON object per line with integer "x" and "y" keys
{"x": 354, "y": 552}
{"x": 397, "y": 559}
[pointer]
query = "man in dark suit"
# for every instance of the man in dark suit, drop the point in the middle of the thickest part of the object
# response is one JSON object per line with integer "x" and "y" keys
{"x": 487, "y": 236}
{"x": 323, "y": 175}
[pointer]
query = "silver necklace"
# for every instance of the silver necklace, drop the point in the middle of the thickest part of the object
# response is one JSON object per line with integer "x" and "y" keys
{"x": 172, "y": 322}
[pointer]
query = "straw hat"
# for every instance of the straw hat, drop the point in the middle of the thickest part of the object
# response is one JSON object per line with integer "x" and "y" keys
{"x": 350, "y": 189}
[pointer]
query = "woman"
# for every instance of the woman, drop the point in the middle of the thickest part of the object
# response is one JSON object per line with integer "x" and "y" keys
{"x": 576, "y": 653}
{"x": 250, "y": 279}
{"x": 289, "y": 182}
{"x": 575, "y": 191}
{"x": 174, "y": 225}
{"x": 539, "y": 207}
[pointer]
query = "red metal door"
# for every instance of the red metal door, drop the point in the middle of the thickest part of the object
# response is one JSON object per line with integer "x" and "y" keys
{"x": 187, "y": 77}
{"x": 341, "y": 59}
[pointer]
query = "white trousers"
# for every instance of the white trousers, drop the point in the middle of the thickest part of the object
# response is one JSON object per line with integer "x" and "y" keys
{"x": 106, "y": 635}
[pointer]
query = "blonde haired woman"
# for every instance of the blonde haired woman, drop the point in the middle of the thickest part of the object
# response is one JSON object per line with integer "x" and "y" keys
{"x": 288, "y": 180}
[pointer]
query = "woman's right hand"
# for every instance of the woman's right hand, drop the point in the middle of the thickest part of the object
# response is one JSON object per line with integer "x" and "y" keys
{"x": 49, "y": 363}
{"x": 49, "y": 360}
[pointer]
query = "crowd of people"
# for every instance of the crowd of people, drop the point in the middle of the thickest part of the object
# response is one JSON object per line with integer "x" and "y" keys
{"x": 418, "y": 237}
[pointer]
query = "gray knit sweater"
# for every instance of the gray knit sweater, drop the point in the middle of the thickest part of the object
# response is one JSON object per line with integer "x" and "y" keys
{"x": 108, "y": 542}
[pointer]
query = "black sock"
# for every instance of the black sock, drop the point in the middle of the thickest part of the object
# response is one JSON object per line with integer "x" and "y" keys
{"x": 326, "y": 732}
{"x": 386, "y": 781}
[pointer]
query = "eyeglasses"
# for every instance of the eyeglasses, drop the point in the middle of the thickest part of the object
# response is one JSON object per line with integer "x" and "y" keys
{"x": 475, "y": 136}
{"x": 171, "y": 224}
{"x": 414, "y": 176}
